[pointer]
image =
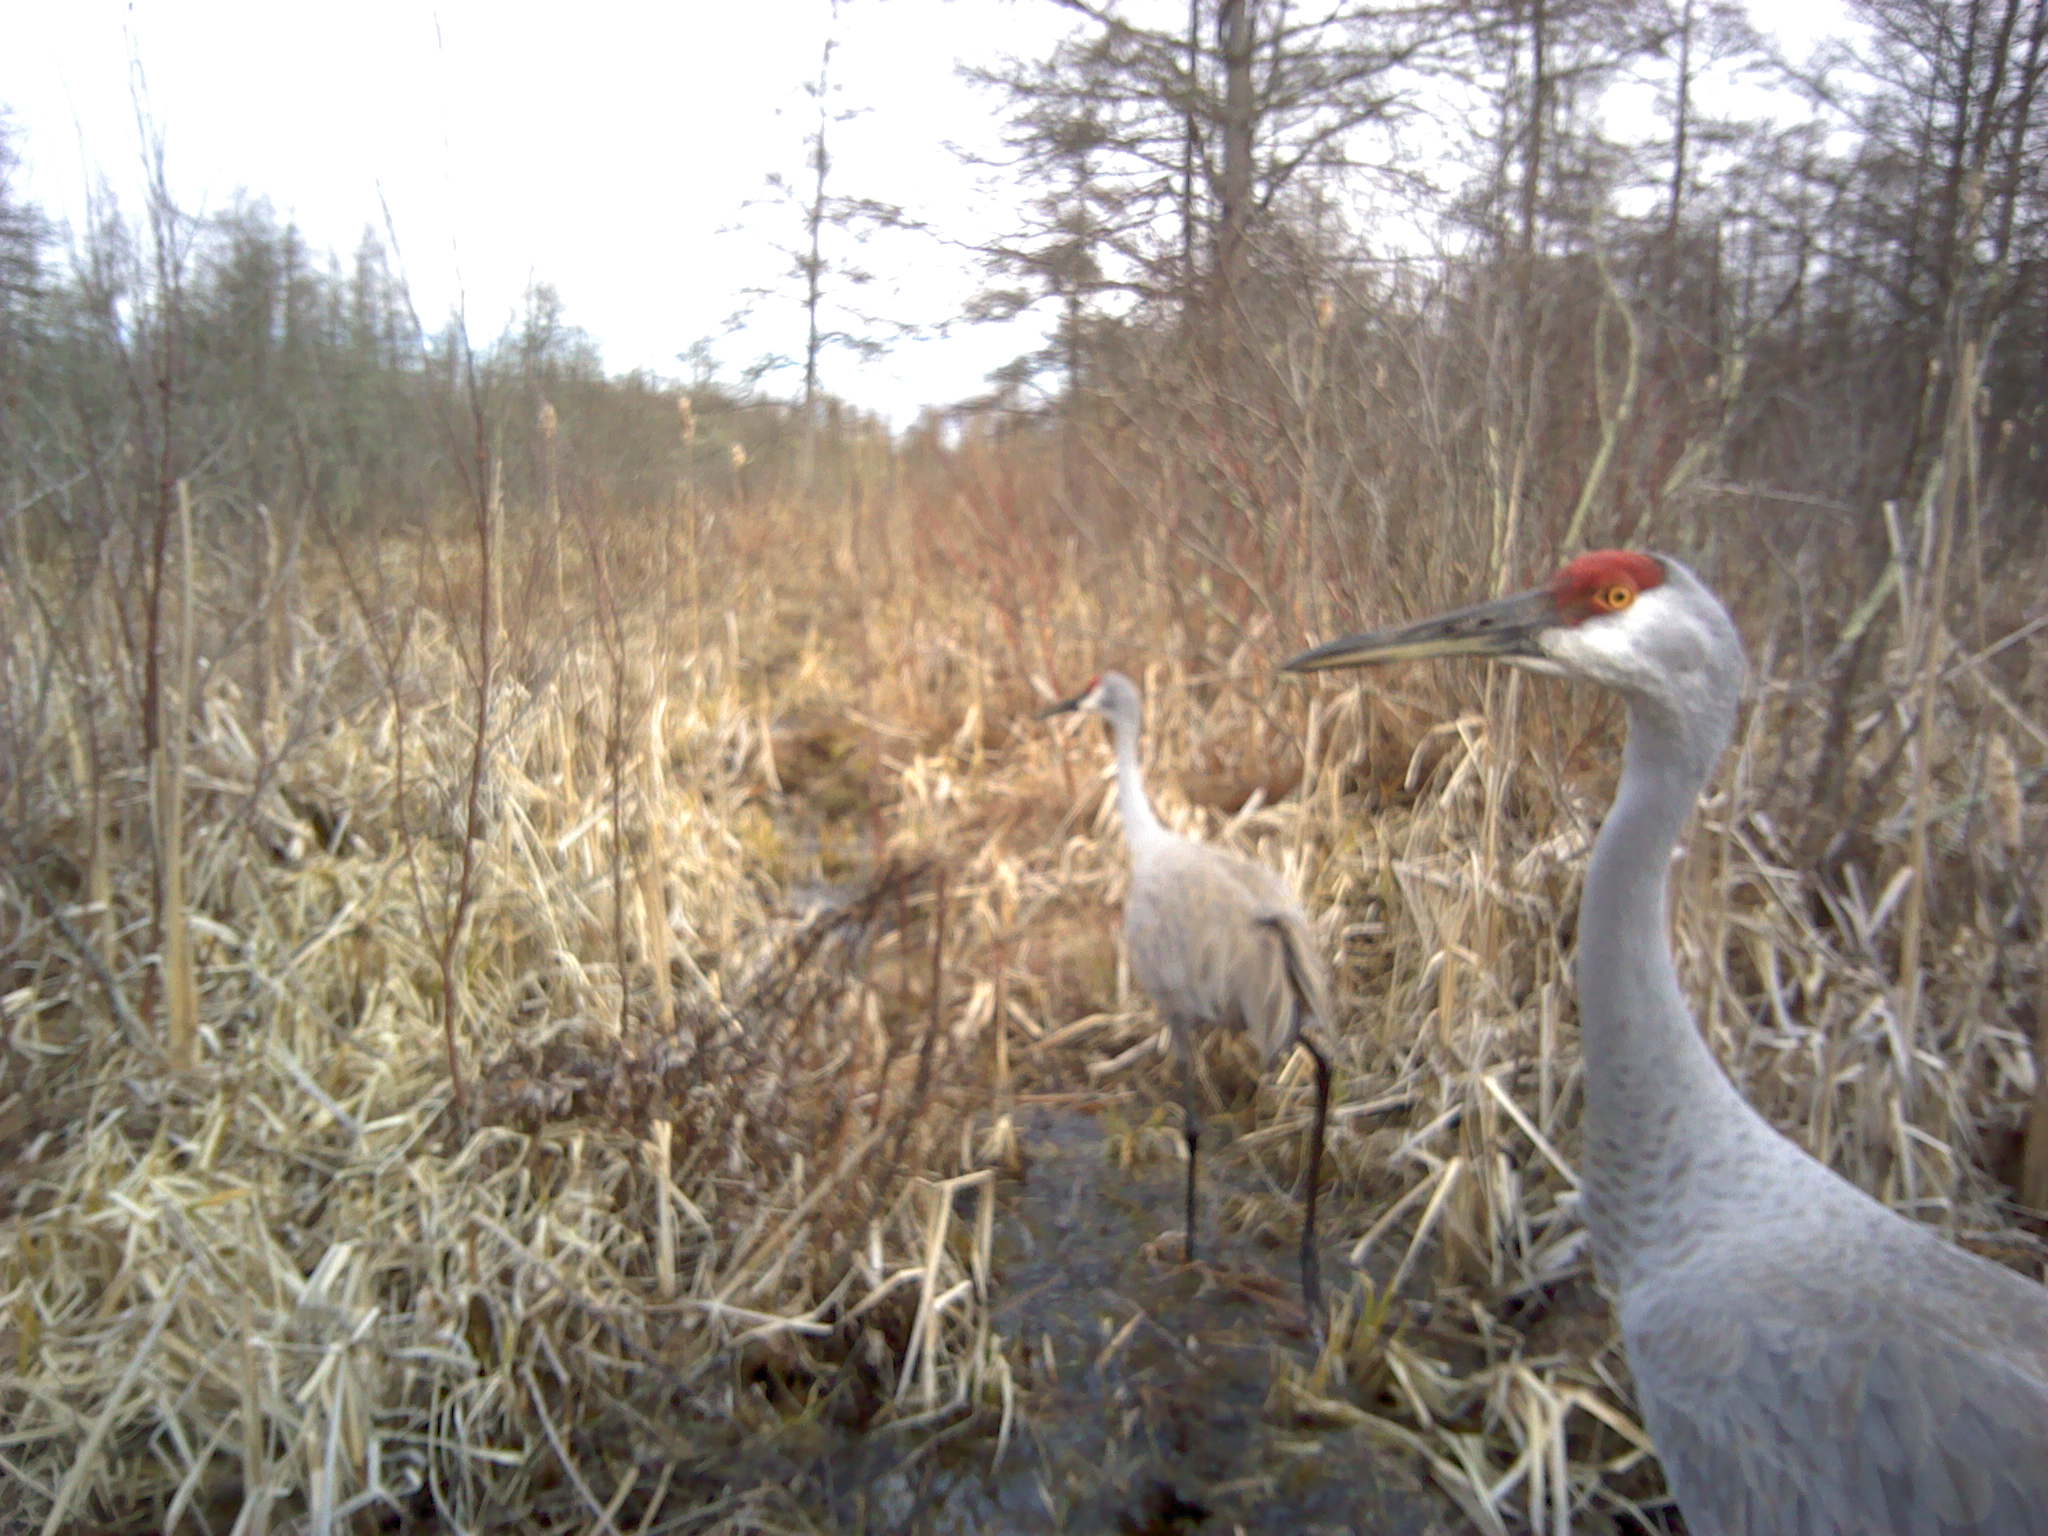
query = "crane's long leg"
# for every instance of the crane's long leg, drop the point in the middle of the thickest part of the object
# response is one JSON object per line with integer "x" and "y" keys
{"x": 1191, "y": 1120}
{"x": 1311, "y": 1281}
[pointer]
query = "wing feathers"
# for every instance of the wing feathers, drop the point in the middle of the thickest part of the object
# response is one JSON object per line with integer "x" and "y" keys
{"x": 1901, "y": 1418}
{"x": 1219, "y": 941}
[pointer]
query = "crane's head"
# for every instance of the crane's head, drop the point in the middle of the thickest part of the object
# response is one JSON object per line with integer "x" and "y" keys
{"x": 1110, "y": 694}
{"x": 1641, "y": 624}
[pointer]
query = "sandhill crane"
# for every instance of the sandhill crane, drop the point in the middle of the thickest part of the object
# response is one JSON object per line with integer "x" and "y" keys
{"x": 1809, "y": 1362}
{"x": 1217, "y": 942}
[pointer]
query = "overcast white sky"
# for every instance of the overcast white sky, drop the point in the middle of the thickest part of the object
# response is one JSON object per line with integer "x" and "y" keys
{"x": 606, "y": 148}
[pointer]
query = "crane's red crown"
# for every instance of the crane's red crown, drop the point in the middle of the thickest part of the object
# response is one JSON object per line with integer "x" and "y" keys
{"x": 1604, "y": 581}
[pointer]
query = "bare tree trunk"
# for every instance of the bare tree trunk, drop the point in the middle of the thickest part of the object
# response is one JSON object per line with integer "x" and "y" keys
{"x": 2018, "y": 125}
{"x": 1956, "y": 170}
{"x": 814, "y": 261}
{"x": 1189, "y": 148}
{"x": 1681, "y": 128}
{"x": 1533, "y": 141}
{"x": 1235, "y": 39}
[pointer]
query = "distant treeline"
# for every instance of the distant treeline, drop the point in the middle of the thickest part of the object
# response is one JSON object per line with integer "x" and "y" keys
{"x": 1597, "y": 331}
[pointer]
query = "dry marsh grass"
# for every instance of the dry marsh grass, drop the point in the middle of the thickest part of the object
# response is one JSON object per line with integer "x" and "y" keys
{"x": 773, "y": 907}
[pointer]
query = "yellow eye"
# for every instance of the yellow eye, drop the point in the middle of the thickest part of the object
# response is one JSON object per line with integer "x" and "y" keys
{"x": 1614, "y": 598}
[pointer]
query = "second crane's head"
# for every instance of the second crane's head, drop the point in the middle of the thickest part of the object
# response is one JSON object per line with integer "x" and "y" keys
{"x": 1112, "y": 695}
{"x": 1640, "y": 624}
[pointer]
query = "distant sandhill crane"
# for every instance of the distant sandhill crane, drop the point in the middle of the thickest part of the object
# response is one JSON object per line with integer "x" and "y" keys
{"x": 1217, "y": 942}
{"x": 1809, "y": 1362}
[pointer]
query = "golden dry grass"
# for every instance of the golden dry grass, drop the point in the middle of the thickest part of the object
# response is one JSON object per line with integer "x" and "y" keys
{"x": 780, "y": 904}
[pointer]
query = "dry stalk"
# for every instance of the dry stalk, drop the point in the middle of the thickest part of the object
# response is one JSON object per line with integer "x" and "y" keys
{"x": 181, "y": 992}
{"x": 1617, "y": 409}
{"x": 1954, "y": 488}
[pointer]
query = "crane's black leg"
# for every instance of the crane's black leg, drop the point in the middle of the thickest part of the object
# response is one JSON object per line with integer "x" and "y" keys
{"x": 1190, "y": 1124}
{"x": 1311, "y": 1282}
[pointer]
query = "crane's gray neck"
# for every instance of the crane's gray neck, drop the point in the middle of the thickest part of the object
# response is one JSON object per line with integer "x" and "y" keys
{"x": 1659, "y": 1111}
{"x": 1142, "y": 826}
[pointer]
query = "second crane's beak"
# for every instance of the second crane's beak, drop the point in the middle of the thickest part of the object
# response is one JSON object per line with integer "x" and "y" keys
{"x": 1506, "y": 626}
{"x": 1064, "y": 707}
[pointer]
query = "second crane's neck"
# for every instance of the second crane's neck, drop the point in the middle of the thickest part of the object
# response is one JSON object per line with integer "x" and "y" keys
{"x": 1661, "y": 1116}
{"x": 1142, "y": 826}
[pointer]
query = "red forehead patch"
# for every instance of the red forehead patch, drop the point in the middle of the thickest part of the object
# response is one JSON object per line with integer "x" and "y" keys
{"x": 1599, "y": 569}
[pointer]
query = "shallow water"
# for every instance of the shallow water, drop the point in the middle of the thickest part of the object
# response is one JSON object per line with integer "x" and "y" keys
{"x": 1144, "y": 1380}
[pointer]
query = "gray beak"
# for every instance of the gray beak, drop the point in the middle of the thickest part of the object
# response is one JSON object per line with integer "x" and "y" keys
{"x": 1506, "y": 626}
{"x": 1064, "y": 707}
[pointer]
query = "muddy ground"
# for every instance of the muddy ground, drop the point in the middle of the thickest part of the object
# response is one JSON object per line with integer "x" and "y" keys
{"x": 1146, "y": 1382}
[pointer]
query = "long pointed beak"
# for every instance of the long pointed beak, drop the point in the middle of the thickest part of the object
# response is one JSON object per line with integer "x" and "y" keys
{"x": 1506, "y": 626}
{"x": 1064, "y": 707}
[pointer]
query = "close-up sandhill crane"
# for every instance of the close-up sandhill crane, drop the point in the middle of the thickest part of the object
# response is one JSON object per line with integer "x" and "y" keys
{"x": 1809, "y": 1362}
{"x": 1217, "y": 942}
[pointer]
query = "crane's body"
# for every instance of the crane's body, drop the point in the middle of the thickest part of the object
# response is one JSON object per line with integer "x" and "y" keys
{"x": 1205, "y": 931}
{"x": 1809, "y": 1362}
{"x": 1218, "y": 943}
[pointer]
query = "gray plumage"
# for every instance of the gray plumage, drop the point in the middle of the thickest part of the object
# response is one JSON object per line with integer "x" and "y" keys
{"x": 1809, "y": 1362}
{"x": 1217, "y": 942}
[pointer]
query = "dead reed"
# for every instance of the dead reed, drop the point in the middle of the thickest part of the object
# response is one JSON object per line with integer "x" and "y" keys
{"x": 754, "y": 904}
